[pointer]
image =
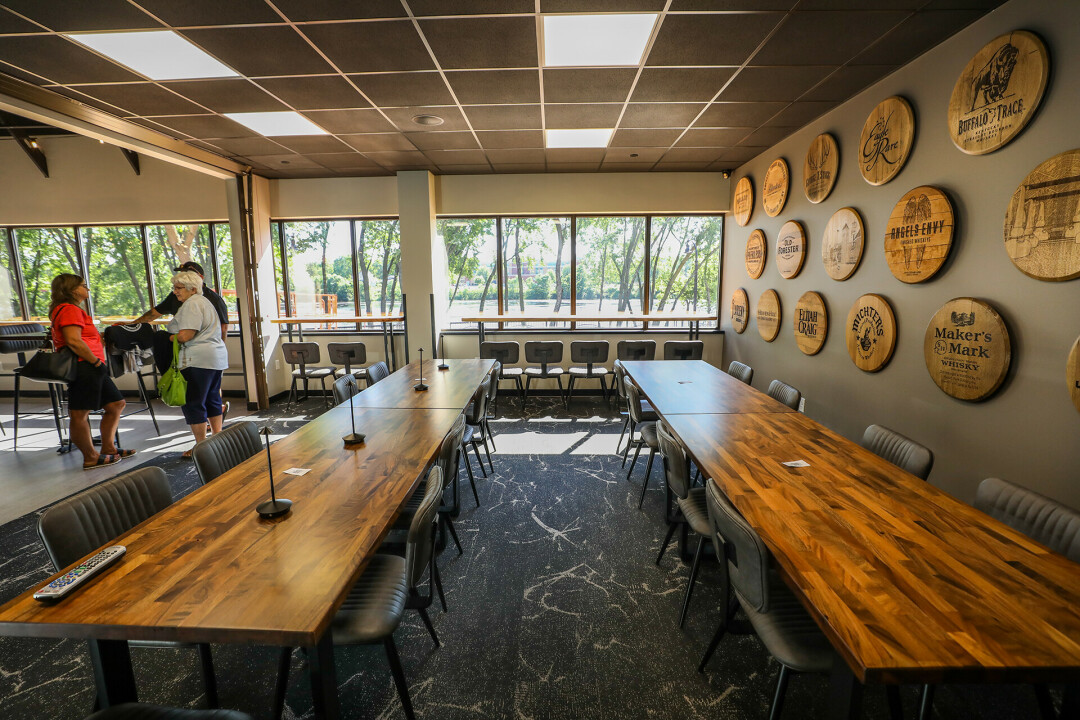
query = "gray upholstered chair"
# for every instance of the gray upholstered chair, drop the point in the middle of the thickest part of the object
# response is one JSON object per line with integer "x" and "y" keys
{"x": 507, "y": 353}
{"x": 594, "y": 353}
{"x": 690, "y": 512}
{"x": 784, "y": 393}
{"x": 376, "y": 372}
{"x": 492, "y": 398}
{"x": 901, "y": 451}
{"x": 450, "y": 461}
{"x": 73, "y": 528}
{"x": 547, "y": 354}
{"x": 225, "y": 450}
{"x": 635, "y": 350}
{"x": 305, "y": 358}
{"x": 684, "y": 350}
{"x": 344, "y": 388}
{"x": 647, "y": 411}
{"x": 646, "y": 430}
{"x": 142, "y": 711}
{"x": 353, "y": 355}
{"x": 475, "y": 428}
{"x": 741, "y": 371}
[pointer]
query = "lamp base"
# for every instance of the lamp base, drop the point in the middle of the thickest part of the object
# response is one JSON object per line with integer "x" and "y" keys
{"x": 353, "y": 439}
{"x": 420, "y": 387}
{"x": 274, "y": 508}
{"x": 443, "y": 365}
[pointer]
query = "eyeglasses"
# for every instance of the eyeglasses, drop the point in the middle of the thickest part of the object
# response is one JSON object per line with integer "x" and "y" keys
{"x": 178, "y": 287}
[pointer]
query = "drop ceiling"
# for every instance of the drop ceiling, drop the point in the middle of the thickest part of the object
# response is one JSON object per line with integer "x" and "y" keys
{"x": 721, "y": 80}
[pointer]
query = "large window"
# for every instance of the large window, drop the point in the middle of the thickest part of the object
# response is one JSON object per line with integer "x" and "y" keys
{"x": 173, "y": 245}
{"x": 684, "y": 264}
{"x": 472, "y": 263}
{"x": 116, "y": 270}
{"x": 537, "y": 276}
{"x": 10, "y": 303}
{"x": 44, "y": 253}
{"x": 226, "y": 282}
{"x": 378, "y": 264}
{"x": 610, "y": 265}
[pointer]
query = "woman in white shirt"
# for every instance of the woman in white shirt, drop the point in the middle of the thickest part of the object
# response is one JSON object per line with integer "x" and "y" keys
{"x": 202, "y": 354}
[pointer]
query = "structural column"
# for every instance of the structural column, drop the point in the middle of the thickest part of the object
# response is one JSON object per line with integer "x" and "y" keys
{"x": 423, "y": 260}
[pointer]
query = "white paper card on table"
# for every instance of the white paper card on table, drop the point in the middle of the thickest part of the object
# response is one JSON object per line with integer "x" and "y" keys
{"x": 298, "y": 471}
{"x": 797, "y": 463}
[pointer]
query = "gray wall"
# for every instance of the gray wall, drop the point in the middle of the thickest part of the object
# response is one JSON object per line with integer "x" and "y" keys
{"x": 1029, "y": 432}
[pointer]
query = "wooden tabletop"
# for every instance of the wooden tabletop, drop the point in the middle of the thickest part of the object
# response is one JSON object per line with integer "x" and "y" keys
{"x": 451, "y": 388}
{"x": 910, "y": 584}
{"x": 208, "y": 569}
{"x": 611, "y": 317}
{"x": 327, "y": 319}
{"x": 695, "y": 386}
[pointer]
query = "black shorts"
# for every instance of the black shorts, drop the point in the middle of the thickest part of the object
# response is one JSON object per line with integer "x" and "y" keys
{"x": 91, "y": 389}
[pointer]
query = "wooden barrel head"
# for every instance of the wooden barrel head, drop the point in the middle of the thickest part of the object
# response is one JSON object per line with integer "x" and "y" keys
{"x": 740, "y": 310}
{"x": 790, "y": 249}
{"x": 919, "y": 234}
{"x": 775, "y": 188}
{"x": 998, "y": 92}
{"x": 821, "y": 167}
{"x": 870, "y": 332}
{"x": 768, "y": 315}
{"x": 967, "y": 349}
{"x": 811, "y": 323}
{"x": 756, "y": 250}
{"x": 742, "y": 205}
{"x": 1042, "y": 224}
{"x": 842, "y": 243}
{"x": 1072, "y": 373}
{"x": 886, "y": 140}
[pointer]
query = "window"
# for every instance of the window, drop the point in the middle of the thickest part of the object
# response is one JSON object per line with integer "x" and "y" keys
{"x": 116, "y": 269}
{"x": 537, "y": 270}
{"x": 684, "y": 265}
{"x": 10, "y": 303}
{"x": 44, "y": 253}
{"x": 472, "y": 266}
{"x": 173, "y": 245}
{"x": 378, "y": 266}
{"x": 610, "y": 265}
{"x": 226, "y": 273}
{"x": 318, "y": 263}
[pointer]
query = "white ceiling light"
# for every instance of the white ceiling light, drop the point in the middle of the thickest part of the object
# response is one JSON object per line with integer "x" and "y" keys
{"x": 158, "y": 54}
{"x": 277, "y": 124}
{"x": 596, "y": 40}
{"x": 578, "y": 138}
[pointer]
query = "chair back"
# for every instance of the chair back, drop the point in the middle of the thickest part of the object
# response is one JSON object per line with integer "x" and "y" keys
{"x": 344, "y": 388}
{"x": 676, "y": 463}
{"x": 75, "y": 527}
{"x": 543, "y": 352}
{"x": 21, "y": 346}
{"x": 620, "y": 378}
{"x": 301, "y": 353}
{"x": 633, "y": 399}
{"x": 350, "y": 354}
{"x": 684, "y": 349}
{"x": 784, "y": 393}
{"x": 901, "y": 451}
{"x": 507, "y": 353}
{"x": 477, "y": 409}
{"x": 450, "y": 451}
{"x": 636, "y": 350}
{"x": 747, "y": 557}
{"x": 740, "y": 371}
{"x": 221, "y": 452}
{"x": 1044, "y": 520}
{"x": 493, "y": 382}
{"x": 420, "y": 545}
{"x": 590, "y": 352}
{"x": 377, "y": 372}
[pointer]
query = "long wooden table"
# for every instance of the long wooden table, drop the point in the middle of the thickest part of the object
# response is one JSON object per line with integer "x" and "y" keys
{"x": 909, "y": 584}
{"x": 208, "y": 569}
{"x": 695, "y": 386}
{"x": 451, "y": 388}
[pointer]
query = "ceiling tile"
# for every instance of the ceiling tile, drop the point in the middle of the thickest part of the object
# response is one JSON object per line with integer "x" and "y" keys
{"x": 484, "y": 169}
{"x": 74, "y": 94}
{"x": 470, "y": 7}
{"x": 443, "y": 140}
{"x": 349, "y": 121}
{"x": 845, "y": 82}
{"x": 371, "y": 171}
{"x": 582, "y": 115}
{"x": 681, "y": 166}
{"x": 12, "y": 23}
{"x": 21, "y": 74}
{"x": 767, "y": 136}
{"x": 730, "y": 5}
{"x": 205, "y": 126}
{"x": 575, "y": 167}
{"x": 404, "y": 89}
{"x": 373, "y": 142}
{"x": 60, "y": 60}
{"x": 634, "y": 155}
{"x": 389, "y": 46}
{"x": 575, "y": 155}
{"x": 680, "y": 84}
{"x": 156, "y": 127}
{"x": 301, "y": 10}
{"x": 226, "y": 96}
{"x": 684, "y": 154}
{"x": 983, "y": 5}
{"x": 315, "y": 92}
{"x": 598, "y": 6}
{"x": 860, "y": 4}
{"x": 799, "y": 113}
{"x": 644, "y": 138}
{"x": 249, "y": 146}
{"x": 307, "y": 144}
{"x": 587, "y": 85}
{"x": 457, "y": 157}
{"x": 491, "y": 139}
{"x": 254, "y": 51}
{"x": 710, "y": 39}
{"x": 342, "y": 160}
{"x": 829, "y": 38}
{"x": 918, "y": 33}
{"x": 738, "y": 114}
{"x": 504, "y": 117}
{"x": 773, "y": 84}
{"x": 180, "y": 13}
{"x": 84, "y": 15}
{"x": 483, "y": 43}
{"x": 495, "y": 86}
{"x": 403, "y": 117}
{"x": 142, "y": 99}
{"x": 659, "y": 115}
{"x": 741, "y": 154}
{"x": 719, "y": 137}
{"x": 521, "y": 168}
{"x": 532, "y": 155}
{"x": 624, "y": 166}
{"x": 294, "y": 162}
{"x": 399, "y": 157}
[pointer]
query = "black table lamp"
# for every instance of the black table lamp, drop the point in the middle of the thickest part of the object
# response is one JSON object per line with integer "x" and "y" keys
{"x": 420, "y": 386}
{"x": 275, "y": 506}
{"x": 353, "y": 438}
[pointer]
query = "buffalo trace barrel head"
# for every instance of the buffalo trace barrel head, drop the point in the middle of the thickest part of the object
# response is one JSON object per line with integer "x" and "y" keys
{"x": 967, "y": 349}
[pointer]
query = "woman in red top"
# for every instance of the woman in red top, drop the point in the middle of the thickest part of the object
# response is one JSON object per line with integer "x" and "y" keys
{"x": 92, "y": 389}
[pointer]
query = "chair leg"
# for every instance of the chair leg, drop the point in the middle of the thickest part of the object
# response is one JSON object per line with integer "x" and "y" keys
{"x": 438, "y": 585}
{"x": 603, "y": 389}
{"x": 637, "y": 452}
{"x": 282, "y": 683}
{"x": 672, "y": 526}
{"x": 476, "y": 450}
{"x": 449, "y": 525}
{"x": 629, "y": 440}
{"x": 429, "y": 626}
{"x": 569, "y": 389}
{"x": 146, "y": 400}
{"x": 487, "y": 452}
{"x": 17, "y": 379}
{"x": 625, "y": 424}
{"x": 565, "y": 405}
{"x": 472, "y": 478}
{"x": 292, "y": 395}
{"x": 1046, "y": 704}
{"x": 399, "y": 676}
{"x": 209, "y": 681}
{"x": 521, "y": 389}
{"x": 926, "y": 702}
{"x": 525, "y": 392}
{"x": 489, "y": 434}
{"x": 713, "y": 644}
{"x": 692, "y": 580}
{"x": 325, "y": 394}
{"x": 645, "y": 484}
{"x": 56, "y": 397}
{"x": 896, "y": 705}
{"x": 778, "y": 698}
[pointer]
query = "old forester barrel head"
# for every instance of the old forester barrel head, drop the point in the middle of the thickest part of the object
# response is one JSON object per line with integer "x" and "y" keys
{"x": 967, "y": 349}
{"x": 790, "y": 249}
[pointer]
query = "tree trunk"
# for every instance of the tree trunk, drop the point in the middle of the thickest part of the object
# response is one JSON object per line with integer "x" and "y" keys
{"x": 362, "y": 261}
{"x": 517, "y": 258}
{"x": 181, "y": 246}
{"x": 561, "y": 230}
{"x": 603, "y": 275}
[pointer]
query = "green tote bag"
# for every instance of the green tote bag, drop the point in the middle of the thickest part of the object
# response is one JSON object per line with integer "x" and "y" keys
{"x": 173, "y": 386}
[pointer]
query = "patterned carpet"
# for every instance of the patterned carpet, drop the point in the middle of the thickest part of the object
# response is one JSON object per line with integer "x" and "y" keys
{"x": 556, "y": 610}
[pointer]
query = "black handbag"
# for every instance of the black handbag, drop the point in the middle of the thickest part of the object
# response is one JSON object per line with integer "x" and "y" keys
{"x": 48, "y": 365}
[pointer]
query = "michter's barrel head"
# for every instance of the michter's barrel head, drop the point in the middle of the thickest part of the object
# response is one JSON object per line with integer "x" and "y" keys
{"x": 919, "y": 234}
{"x": 886, "y": 140}
{"x": 1042, "y": 224}
{"x": 1072, "y": 373}
{"x": 811, "y": 323}
{"x": 790, "y": 249}
{"x": 870, "y": 332}
{"x": 742, "y": 206}
{"x": 998, "y": 92}
{"x": 967, "y": 349}
{"x": 821, "y": 167}
{"x": 775, "y": 188}
{"x": 768, "y": 315}
{"x": 740, "y": 310}
{"x": 756, "y": 249}
{"x": 842, "y": 243}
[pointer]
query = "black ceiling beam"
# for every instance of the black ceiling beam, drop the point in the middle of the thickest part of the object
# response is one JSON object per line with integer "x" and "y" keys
{"x": 133, "y": 159}
{"x": 28, "y": 145}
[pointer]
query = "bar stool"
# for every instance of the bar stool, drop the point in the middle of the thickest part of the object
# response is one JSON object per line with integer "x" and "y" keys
{"x": 635, "y": 350}
{"x": 593, "y": 353}
{"x": 507, "y": 353}
{"x": 20, "y": 348}
{"x": 544, "y": 353}
{"x": 351, "y": 355}
{"x": 683, "y": 349}
{"x": 305, "y": 354}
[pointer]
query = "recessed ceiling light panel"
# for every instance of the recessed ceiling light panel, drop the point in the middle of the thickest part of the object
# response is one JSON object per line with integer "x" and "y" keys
{"x": 596, "y": 40}
{"x": 277, "y": 124}
{"x": 157, "y": 54}
{"x": 578, "y": 138}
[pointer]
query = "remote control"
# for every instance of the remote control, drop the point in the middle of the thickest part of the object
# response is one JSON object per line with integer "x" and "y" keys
{"x": 67, "y": 582}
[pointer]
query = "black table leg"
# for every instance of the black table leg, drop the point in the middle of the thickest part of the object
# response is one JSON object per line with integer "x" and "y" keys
{"x": 845, "y": 693}
{"x": 385, "y": 344}
{"x": 1070, "y": 706}
{"x": 393, "y": 350}
{"x": 480, "y": 333}
{"x": 112, "y": 672}
{"x": 324, "y": 690}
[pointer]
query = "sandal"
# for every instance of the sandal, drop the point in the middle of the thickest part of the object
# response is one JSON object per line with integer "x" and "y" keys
{"x": 102, "y": 461}
{"x": 125, "y": 453}
{"x": 186, "y": 455}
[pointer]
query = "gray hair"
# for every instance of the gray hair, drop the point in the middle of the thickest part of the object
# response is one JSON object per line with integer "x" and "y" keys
{"x": 189, "y": 280}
